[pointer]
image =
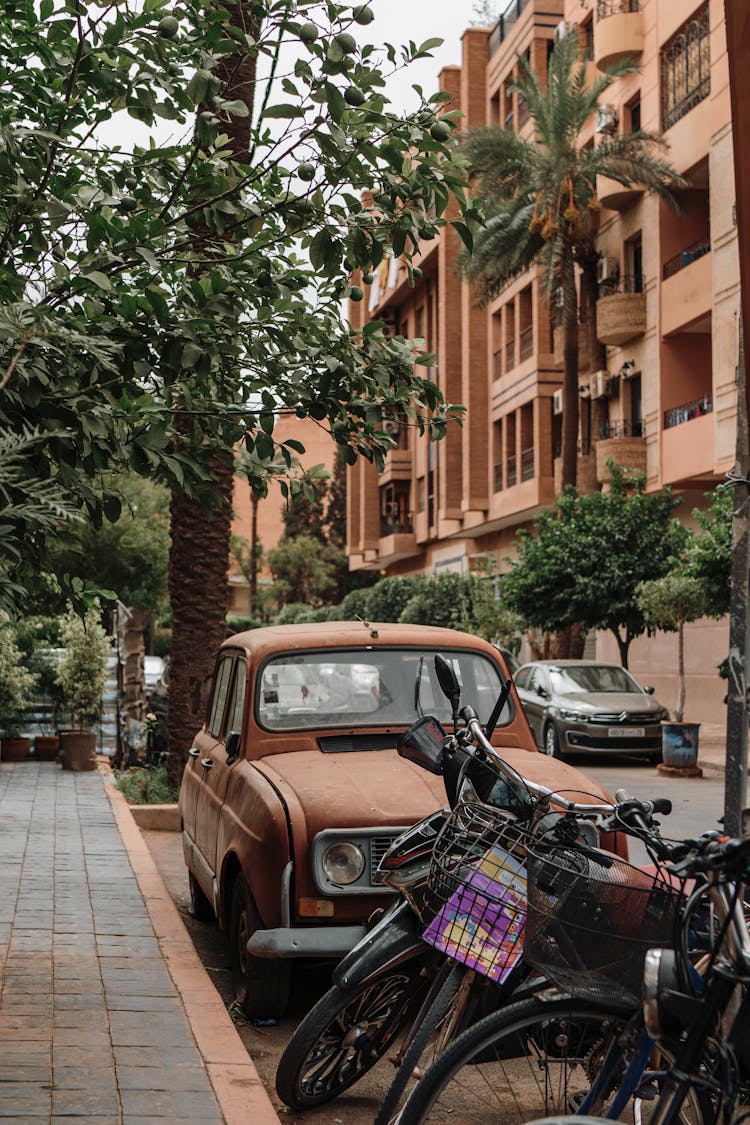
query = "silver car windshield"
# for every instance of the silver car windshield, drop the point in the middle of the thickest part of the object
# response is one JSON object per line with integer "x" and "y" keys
{"x": 380, "y": 686}
{"x": 591, "y": 677}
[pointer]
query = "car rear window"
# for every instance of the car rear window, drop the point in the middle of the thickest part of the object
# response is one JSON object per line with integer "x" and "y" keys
{"x": 380, "y": 686}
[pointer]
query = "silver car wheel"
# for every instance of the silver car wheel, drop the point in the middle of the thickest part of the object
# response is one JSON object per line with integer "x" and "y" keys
{"x": 551, "y": 741}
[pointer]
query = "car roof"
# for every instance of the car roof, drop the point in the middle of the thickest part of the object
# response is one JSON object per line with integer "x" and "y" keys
{"x": 573, "y": 664}
{"x": 352, "y": 634}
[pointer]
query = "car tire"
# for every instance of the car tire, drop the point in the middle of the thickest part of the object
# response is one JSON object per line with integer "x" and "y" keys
{"x": 261, "y": 986}
{"x": 200, "y": 905}
{"x": 551, "y": 741}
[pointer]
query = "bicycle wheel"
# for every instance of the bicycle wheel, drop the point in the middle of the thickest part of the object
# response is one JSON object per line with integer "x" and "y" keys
{"x": 529, "y": 1060}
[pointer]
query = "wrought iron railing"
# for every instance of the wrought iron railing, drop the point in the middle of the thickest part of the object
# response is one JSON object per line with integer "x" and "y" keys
{"x": 687, "y": 411}
{"x": 606, "y": 8}
{"x": 686, "y": 69}
{"x": 626, "y": 283}
{"x": 498, "y": 478}
{"x": 527, "y": 464}
{"x": 685, "y": 257}
{"x": 511, "y": 474}
{"x": 625, "y": 428}
{"x": 526, "y": 343}
{"x": 392, "y": 526}
{"x": 505, "y": 23}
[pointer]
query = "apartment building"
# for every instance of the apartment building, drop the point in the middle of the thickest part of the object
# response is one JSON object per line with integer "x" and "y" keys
{"x": 667, "y": 314}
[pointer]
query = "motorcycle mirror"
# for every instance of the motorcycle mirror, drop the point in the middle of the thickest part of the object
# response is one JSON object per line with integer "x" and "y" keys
{"x": 448, "y": 682}
{"x": 422, "y": 744}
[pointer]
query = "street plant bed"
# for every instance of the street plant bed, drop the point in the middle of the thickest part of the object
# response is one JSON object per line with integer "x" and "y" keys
{"x": 145, "y": 785}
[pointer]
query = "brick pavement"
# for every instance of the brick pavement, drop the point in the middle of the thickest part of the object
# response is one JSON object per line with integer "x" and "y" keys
{"x": 106, "y": 1014}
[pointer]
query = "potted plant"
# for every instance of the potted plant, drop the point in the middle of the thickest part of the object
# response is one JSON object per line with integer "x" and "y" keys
{"x": 81, "y": 674}
{"x": 39, "y": 640}
{"x": 16, "y": 685}
{"x": 669, "y": 603}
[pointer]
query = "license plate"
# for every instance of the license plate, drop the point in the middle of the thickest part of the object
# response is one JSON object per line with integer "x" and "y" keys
{"x": 627, "y": 732}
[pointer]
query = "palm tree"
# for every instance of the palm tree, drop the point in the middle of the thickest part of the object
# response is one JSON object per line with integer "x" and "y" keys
{"x": 539, "y": 195}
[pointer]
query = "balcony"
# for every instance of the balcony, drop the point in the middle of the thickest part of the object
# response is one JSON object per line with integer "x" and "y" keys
{"x": 618, "y": 31}
{"x": 527, "y": 464}
{"x": 687, "y": 289}
{"x": 616, "y": 196}
{"x": 526, "y": 343}
{"x": 397, "y": 466}
{"x": 621, "y": 311}
{"x": 397, "y": 540}
{"x": 687, "y": 442}
{"x": 622, "y": 442}
{"x": 504, "y": 25}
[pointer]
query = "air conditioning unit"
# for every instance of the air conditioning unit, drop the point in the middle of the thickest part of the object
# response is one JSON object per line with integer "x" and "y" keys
{"x": 607, "y": 269}
{"x": 563, "y": 28}
{"x": 390, "y": 426}
{"x": 390, "y": 509}
{"x": 599, "y": 384}
{"x": 557, "y": 401}
{"x": 606, "y": 119}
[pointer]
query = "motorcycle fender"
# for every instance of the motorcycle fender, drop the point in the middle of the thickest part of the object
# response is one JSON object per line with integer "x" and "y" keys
{"x": 395, "y": 938}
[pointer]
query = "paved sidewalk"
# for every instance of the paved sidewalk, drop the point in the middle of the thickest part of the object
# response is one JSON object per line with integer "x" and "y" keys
{"x": 107, "y": 1016}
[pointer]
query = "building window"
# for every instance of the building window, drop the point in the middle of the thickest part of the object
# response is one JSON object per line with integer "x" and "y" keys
{"x": 395, "y": 516}
{"x": 633, "y": 110}
{"x": 586, "y": 40}
{"x": 633, "y": 280}
{"x": 685, "y": 69}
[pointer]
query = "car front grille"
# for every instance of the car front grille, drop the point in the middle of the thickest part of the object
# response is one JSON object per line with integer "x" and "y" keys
{"x": 379, "y": 845}
{"x": 637, "y": 720}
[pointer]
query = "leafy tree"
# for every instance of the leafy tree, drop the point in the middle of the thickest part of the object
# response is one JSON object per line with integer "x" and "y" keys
{"x": 82, "y": 672}
{"x": 304, "y": 514}
{"x": 539, "y": 193}
{"x": 708, "y": 556}
{"x": 336, "y": 506}
{"x": 16, "y": 681}
{"x": 587, "y": 555}
{"x": 301, "y": 570}
{"x": 669, "y": 603}
{"x": 129, "y": 555}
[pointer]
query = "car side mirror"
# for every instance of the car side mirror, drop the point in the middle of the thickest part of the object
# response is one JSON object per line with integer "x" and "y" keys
{"x": 649, "y": 689}
{"x": 233, "y": 746}
{"x": 542, "y": 693}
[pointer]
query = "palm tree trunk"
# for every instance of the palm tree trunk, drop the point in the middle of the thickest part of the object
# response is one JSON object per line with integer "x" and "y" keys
{"x": 199, "y": 554}
{"x": 570, "y": 373}
{"x": 597, "y": 352}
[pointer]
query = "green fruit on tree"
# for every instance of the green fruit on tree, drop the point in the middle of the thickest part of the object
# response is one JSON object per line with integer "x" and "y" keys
{"x": 127, "y": 203}
{"x": 346, "y": 42}
{"x": 353, "y": 95}
{"x": 306, "y": 171}
{"x": 440, "y": 131}
{"x": 355, "y": 293}
{"x": 367, "y": 278}
{"x": 168, "y": 27}
{"x": 363, "y": 13}
{"x": 317, "y": 411}
{"x": 417, "y": 272}
{"x": 308, "y": 33}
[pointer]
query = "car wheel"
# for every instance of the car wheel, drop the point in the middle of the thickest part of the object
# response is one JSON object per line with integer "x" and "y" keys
{"x": 551, "y": 741}
{"x": 261, "y": 986}
{"x": 200, "y": 905}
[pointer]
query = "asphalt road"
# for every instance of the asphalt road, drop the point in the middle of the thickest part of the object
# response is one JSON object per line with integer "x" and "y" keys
{"x": 697, "y": 805}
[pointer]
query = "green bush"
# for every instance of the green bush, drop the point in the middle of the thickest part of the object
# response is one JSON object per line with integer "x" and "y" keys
{"x": 238, "y": 623}
{"x": 162, "y": 642}
{"x": 82, "y": 672}
{"x": 388, "y": 597}
{"x": 293, "y": 613}
{"x": 146, "y": 785}
{"x": 354, "y": 605}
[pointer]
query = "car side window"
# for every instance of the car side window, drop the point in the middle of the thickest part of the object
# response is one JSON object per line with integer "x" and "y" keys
{"x": 219, "y": 696}
{"x": 237, "y": 698}
{"x": 537, "y": 682}
{"x": 522, "y": 678}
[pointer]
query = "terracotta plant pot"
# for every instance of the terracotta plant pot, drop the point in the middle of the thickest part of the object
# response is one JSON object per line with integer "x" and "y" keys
{"x": 14, "y": 749}
{"x": 78, "y": 749}
{"x": 46, "y": 747}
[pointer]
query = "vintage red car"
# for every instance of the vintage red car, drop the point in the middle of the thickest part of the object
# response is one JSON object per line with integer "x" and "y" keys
{"x": 293, "y": 789}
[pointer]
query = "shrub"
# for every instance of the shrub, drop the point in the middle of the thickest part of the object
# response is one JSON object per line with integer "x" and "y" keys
{"x": 16, "y": 681}
{"x": 82, "y": 672}
{"x": 146, "y": 785}
{"x": 293, "y": 613}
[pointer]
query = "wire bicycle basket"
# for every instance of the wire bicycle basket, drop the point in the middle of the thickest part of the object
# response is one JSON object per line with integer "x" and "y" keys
{"x": 476, "y": 892}
{"x": 591, "y": 918}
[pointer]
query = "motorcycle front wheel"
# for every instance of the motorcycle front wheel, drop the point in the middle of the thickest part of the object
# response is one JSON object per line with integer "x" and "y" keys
{"x": 345, "y": 1034}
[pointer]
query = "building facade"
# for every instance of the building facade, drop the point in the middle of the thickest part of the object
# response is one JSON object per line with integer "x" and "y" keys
{"x": 667, "y": 314}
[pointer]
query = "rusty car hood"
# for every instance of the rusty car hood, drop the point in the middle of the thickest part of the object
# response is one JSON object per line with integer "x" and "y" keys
{"x": 377, "y": 787}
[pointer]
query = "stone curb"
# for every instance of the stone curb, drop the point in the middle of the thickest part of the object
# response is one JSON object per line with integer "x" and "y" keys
{"x": 237, "y": 1085}
{"x": 156, "y": 818}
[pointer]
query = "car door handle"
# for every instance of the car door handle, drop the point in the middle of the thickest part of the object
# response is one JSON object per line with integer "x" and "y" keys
{"x": 193, "y": 752}
{"x": 206, "y": 763}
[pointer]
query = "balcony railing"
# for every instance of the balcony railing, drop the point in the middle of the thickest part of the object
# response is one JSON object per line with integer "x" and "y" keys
{"x": 390, "y": 525}
{"x": 685, "y": 257}
{"x": 510, "y": 471}
{"x": 622, "y": 429}
{"x": 510, "y": 355}
{"x": 527, "y": 464}
{"x": 686, "y": 70}
{"x": 526, "y": 343}
{"x": 505, "y": 23}
{"x": 687, "y": 411}
{"x": 628, "y": 283}
{"x": 606, "y": 8}
{"x": 498, "y": 478}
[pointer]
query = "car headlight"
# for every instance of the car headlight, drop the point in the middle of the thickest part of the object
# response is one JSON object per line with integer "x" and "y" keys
{"x": 343, "y": 862}
{"x": 573, "y": 716}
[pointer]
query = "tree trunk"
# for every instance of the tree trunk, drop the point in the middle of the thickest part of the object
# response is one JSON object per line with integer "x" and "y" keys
{"x": 253, "y": 553}
{"x": 623, "y": 645}
{"x": 570, "y": 374}
{"x": 199, "y": 554}
{"x": 679, "y": 710}
{"x": 597, "y": 353}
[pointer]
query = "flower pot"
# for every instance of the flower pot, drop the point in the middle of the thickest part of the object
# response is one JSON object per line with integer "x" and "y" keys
{"x": 78, "y": 749}
{"x": 46, "y": 747}
{"x": 679, "y": 744}
{"x": 14, "y": 749}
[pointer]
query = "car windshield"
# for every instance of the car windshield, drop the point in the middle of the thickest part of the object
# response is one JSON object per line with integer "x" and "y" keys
{"x": 371, "y": 687}
{"x": 591, "y": 677}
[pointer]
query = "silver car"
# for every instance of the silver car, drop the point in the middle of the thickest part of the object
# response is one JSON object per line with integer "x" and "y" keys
{"x": 585, "y": 707}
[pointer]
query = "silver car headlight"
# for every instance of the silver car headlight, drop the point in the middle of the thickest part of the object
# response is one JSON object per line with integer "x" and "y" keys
{"x": 573, "y": 716}
{"x": 343, "y": 862}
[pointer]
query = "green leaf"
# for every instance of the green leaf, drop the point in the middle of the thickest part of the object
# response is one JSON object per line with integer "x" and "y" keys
{"x": 99, "y": 279}
{"x": 284, "y": 111}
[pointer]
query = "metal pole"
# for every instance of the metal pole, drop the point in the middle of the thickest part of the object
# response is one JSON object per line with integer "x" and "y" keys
{"x": 737, "y": 23}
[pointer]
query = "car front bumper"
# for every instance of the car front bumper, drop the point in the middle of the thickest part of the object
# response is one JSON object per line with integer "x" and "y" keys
{"x": 593, "y": 738}
{"x": 290, "y": 941}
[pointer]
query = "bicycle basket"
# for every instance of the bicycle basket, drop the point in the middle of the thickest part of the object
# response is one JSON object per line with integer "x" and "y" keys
{"x": 476, "y": 892}
{"x": 591, "y": 918}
